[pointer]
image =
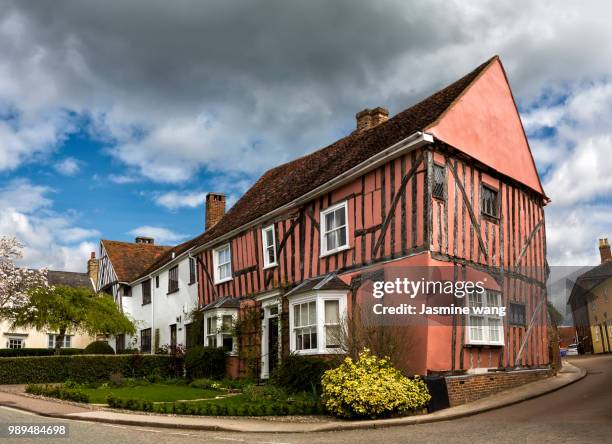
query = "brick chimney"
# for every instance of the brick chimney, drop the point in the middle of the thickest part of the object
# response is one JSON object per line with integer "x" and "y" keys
{"x": 369, "y": 118}
{"x": 92, "y": 268}
{"x": 145, "y": 240}
{"x": 215, "y": 209}
{"x": 604, "y": 250}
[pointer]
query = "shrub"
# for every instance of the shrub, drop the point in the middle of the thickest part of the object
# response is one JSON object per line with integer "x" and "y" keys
{"x": 298, "y": 373}
{"x": 16, "y": 352}
{"x": 256, "y": 393}
{"x": 204, "y": 383}
{"x": 82, "y": 368}
{"x": 371, "y": 387}
{"x": 68, "y": 394}
{"x": 99, "y": 348}
{"x": 205, "y": 362}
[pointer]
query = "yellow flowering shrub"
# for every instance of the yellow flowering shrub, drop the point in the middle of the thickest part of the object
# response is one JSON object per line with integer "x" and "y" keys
{"x": 371, "y": 387}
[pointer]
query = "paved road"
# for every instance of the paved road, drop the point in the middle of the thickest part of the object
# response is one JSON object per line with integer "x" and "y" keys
{"x": 580, "y": 413}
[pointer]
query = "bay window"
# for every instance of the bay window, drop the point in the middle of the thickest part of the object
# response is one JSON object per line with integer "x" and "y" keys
{"x": 218, "y": 329}
{"x": 334, "y": 229}
{"x": 315, "y": 322}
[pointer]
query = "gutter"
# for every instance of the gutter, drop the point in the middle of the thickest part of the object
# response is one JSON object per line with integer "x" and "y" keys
{"x": 410, "y": 143}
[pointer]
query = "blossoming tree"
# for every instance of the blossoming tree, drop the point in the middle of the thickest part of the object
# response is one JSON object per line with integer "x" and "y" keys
{"x": 16, "y": 282}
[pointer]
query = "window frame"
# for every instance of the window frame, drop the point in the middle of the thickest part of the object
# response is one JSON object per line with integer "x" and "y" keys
{"x": 511, "y": 320}
{"x": 323, "y": 232}
{"x": 10, "y": 340}
{"x": 485, "y": 332}
{"x": 433, "y": 188}
{"x": 171, "y": 271}
{"x": 193, "y": 271}
{"x": 319, "y": 298}
{"x": 217, "y": 265}
{"x": 146, "y": 284}
{"x": 266, "y": 247}
{"x": 483, "y": 187}
{"x": 150, "y": 348}
{"x": 52, "y": 338}
{"x": 220, "y": 333}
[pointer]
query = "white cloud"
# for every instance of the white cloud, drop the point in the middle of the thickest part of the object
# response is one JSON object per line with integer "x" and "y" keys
{"x": 122, "y": 179}
{"x": 174, "y": 200}
{"x": 160, "y": 234}
{"x": 51, "y": 240}
{"x": 68, "y": 167}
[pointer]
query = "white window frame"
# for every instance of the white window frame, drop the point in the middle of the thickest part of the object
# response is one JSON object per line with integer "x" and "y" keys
{"x": 323, "y": 233}
{"x": 217, "y": 265}
{"x": 67, "y": 340}
{"x": 219, "y": 333}
{"x": 266, "y": 247}
{"x": 485, "y": 327}
{"x": 14, "y": 339}
{"x": 319, "y": 298}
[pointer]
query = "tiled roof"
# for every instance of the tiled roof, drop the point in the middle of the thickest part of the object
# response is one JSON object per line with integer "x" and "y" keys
{"x": 130, "y": 260}
{"x": 591, "y": 279}
{"x": 69, "y": 279}
{"x": 328, "y": 282}
{"x": 224, "y": 302}
{"x": 287, "y": 182}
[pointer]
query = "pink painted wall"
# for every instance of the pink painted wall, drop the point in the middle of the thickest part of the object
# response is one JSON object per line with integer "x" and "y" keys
{"x": 485, "y": 124}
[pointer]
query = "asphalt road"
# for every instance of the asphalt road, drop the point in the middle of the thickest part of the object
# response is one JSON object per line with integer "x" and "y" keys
{"x": 579, "y": 413}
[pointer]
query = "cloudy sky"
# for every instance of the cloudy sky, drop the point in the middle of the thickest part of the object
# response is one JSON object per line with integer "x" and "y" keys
{"x": 117, "y": 117}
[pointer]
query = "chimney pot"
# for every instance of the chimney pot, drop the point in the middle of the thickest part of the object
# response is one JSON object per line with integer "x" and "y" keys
{"x": 369, "y": 118}
{"x": 604, "y": 250}
{"x": 145, "y": 240}
{"x": 215, "y": 209}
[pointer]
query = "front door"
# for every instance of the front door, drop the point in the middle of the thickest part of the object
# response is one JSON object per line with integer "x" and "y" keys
{"x": 272, "y": 344}
{"x": 173, "y": 337}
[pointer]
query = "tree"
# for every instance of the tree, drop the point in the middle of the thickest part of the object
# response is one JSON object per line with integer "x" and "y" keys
{"x": 15, "y": 282}
{"x": 63, "y": 308}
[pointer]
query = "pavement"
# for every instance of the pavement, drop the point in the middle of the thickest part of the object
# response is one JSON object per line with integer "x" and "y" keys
{"x": 12, "y": 396}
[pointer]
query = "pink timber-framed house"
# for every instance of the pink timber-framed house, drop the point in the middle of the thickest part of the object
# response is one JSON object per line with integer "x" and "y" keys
{"x": 450, "y": 181}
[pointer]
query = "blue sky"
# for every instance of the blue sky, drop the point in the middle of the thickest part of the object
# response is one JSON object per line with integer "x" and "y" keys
{"x": 116, "y": 120}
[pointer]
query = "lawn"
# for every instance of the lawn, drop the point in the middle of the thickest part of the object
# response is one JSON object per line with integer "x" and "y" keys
{"x": 153, "y": 392}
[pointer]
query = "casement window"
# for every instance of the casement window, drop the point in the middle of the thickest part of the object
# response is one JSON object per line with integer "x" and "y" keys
{"x": 146, "y": 292}
{"x": 489, "y": 202}
{"x": 222, "y": 261}
{"x": 52, "y": 341}
{"x": 120, "y": 343}
{"x": 219, "y": 326}
{"x": 157, "y": 281}
{"x": 596, "y": 329}
{"x": 15, "y": 343}
{"x": 439, "y": 181}
{"x": 315, "y": 323}
{"x": 127, "y": 290}
{"x": 268, "y": 241}
{"x": 145, "y": 340}
{"x": 173, "y": 281}
{"x": 485, "y": 329}
{"x": 192, "y": 270}
{"x": 517, "y": 314}
{"x": 334, "y": 229}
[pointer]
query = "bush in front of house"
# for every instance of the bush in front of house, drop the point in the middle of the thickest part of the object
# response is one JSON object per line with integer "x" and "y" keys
{"x": 85, "y": 368}
{"x": 15, "y": 352}
{"x": 205, "y": 362}
{"x": 297, "y": 373}
{"x": 99, "y": 348}
{"x": 68, "y": 394}
{"x": 371, "y": 387}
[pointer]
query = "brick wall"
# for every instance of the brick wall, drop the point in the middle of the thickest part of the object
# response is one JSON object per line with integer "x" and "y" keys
{"x": 468, "y": 388}
{"x": 215, "y": 208}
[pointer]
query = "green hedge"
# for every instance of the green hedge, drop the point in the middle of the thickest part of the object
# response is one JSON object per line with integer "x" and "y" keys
{"x": 14, "y": 352}
{"x": 86, "y": 368}
{"x": 57, "y": 392}
{"x": 205, "y": 362}
{"x": 212, "y": 409}
{"x": 297, "y": 373}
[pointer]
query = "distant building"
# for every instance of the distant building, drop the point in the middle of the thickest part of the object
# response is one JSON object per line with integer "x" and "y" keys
{"x": 591, "y": 304}
{"x": 31, "y": 338}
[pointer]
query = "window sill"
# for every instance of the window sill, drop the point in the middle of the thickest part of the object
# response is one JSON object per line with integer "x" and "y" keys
{"x": 336, "y": 251}
{"x": 266, "y": 267}
{"x": 173, "y": 291}
{"x": 223, "y": 281}
{"x": 326, "y": 351}
{"x": 192, "y": 283}
{"x": 492, "y": 219}
{"x": 484, "y": 344}
{"x": 148, "y": 303}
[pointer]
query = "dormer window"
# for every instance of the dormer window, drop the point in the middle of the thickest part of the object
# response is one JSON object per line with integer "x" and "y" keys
{"x": 334, "y": 229}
